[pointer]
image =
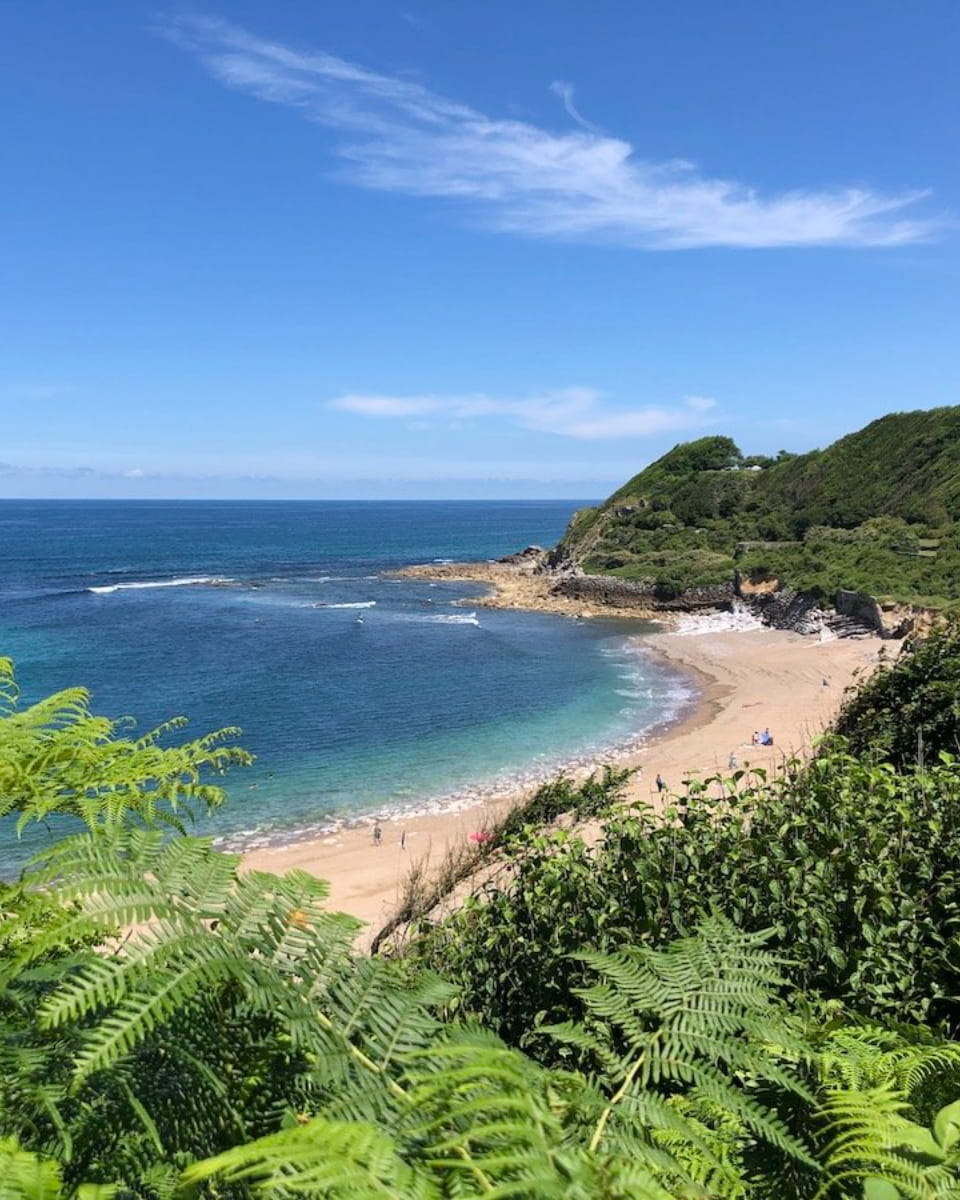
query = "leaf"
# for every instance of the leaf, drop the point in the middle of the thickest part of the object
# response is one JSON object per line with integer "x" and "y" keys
{"x": 946, "y": 1125}
{"x": 875, "y": 1188}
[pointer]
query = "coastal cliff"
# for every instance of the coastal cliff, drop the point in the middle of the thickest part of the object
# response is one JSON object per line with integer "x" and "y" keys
{"x": 865, "y": 532}
{"x": 861, "y": 537}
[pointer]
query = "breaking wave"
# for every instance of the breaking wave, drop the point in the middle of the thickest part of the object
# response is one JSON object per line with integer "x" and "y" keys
{"x": 186, "y": 581}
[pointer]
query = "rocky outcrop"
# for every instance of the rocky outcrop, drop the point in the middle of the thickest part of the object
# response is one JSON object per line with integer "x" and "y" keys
{"x": 560, "y": 562}
{"x": 801, "y": 612}
{"x": 532, "y": 558}
{"x": 620, "y": 593}
{"x": 786, "y": 609}
{"x": 888, "y": 620}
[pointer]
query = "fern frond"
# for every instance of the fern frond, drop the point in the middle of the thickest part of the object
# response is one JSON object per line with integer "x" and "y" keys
{"x": 703, "y": 1016}
{"x": 871, "y": 1138}
{"x": 58, "y": 757}
{"x": 28, "y": 1176}
{"x": 321, "y": 1159}
{"x": 860, "y": 1055}
{"x": 24, "y": 1176}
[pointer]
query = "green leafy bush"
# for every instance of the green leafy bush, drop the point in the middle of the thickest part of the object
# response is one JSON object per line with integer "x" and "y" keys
{"x": 909, "y": 712}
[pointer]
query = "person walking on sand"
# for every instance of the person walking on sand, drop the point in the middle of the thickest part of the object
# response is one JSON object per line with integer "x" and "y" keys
{"x": 377, "y": 833}
{"x": 660, "y": 782}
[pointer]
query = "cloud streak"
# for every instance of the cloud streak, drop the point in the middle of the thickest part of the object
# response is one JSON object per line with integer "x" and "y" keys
{"x": 577, "y": 185}
{"x": 565, "y": 92}
{"x": 569, "y": 412}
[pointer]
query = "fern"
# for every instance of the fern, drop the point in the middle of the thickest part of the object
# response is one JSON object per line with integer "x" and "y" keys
{"x": 57, "y": 757}
{"x": 872, "y": 1140}
{"x": 862, "y": 1054}
{"x": 701, "y": 1016}
{"x": 28, "y": 1176}
{"x": 236, "y": 992}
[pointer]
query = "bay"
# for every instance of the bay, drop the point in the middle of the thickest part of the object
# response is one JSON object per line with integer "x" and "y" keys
{"x": 358, "y": 692}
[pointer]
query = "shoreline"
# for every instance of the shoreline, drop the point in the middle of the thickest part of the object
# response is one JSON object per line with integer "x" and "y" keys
{"x": 491, "y": 791}
{"x": 747, "y": 679}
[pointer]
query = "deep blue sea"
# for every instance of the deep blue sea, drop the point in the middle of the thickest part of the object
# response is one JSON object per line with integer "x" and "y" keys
{"x": 357, "y": 692}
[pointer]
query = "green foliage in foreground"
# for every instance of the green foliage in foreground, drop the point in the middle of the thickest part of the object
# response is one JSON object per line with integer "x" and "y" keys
{"x": 853, "y": 862}
{"x": 236, "y": 1045}
{"x": 855, "y": 868}
{"x": 57, "y": 757}
{"x": 909, "y": 712}
{"x": 173, "y": 1029}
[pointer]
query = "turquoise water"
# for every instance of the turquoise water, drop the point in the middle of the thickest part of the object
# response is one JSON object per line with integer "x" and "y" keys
{"x": 357, "y": 692}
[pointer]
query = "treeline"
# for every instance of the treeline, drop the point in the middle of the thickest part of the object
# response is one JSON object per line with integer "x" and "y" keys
{"x": 753, "y": 995}
{"x": 877, "y": 511}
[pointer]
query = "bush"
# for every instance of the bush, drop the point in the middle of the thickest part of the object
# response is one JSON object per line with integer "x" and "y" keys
{"x": 909, "y": 712}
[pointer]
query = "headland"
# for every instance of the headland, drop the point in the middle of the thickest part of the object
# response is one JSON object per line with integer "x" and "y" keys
{"x": 518, "y": 583}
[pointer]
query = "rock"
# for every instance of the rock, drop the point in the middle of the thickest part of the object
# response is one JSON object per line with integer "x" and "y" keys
{"x": 532, "y": 556}
{"x": 609, "y": 591}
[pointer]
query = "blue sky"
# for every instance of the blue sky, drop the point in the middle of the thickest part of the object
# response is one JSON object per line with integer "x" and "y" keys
{"x": 453, "y": 248}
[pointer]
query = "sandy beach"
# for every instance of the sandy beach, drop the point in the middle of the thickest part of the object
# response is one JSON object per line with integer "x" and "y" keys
{"x": 748, "y": 679}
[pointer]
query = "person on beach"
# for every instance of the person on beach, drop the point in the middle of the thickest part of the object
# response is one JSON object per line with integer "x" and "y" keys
{"x": 377, "y": 833}
{"x": 660, "y": 782}
{"x": 766, "y": 738}
{"x": 755, "y": 739}
{"x": 733, "y": 762}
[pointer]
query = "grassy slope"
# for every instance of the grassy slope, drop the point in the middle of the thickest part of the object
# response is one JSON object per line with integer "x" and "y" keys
{"x": 877, "y": 511}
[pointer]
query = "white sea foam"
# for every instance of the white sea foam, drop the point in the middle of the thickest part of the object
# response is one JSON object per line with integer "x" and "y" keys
{"x": 649, "y": 693}
{"x": 357, "y": 604}
{"x": 187, "y": 581}
{"x": 452, "y": 619}
{"x": 335, "y": 578}
{"x": 425, "y": 618}
{"x": 739, "y": 620}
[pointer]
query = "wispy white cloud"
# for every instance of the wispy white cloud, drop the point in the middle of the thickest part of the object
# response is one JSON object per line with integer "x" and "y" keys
{"x": 580, "y": 185}
{"x": 569, "y": 412}
{"x": 565, "y": 92}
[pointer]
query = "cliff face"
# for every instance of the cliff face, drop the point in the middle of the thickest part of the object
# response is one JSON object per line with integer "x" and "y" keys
{"x": 620, "y": 593}
{"x": 875, "y": 513}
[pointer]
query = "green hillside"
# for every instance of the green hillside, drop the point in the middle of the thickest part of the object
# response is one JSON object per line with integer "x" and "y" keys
{"x": 877, "y": 511}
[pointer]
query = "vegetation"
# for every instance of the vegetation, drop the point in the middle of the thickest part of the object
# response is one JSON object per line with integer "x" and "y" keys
{"x": 878, "y": 511}
{"x": 854, "y": 869}
{"x": 753, "y": 998}
{"x": 910, "y": 712}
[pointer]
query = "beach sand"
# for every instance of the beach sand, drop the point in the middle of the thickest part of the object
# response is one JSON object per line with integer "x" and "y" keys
{"x": 748, "y": 680}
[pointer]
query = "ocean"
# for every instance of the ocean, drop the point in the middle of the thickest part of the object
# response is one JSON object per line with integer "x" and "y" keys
{"x": 359, "y": 693}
